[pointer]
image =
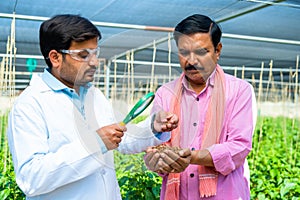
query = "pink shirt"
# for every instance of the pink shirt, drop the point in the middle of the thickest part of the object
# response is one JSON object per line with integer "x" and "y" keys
{"x": 235, "y": 140}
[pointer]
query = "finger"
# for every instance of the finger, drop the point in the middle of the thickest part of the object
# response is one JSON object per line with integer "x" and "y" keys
{"x": 118, "y": 140}
{"x": 172, "y": 118}
{"x": 163, "y": 167}
{"x": 174, "y": 126}
{"x": 168, "y": 121}
{"x": 148, "y": 157}
{"x": 168, "y": 125}
{"x": 171, "y": 154}
{"x": 120, "y": 127}
{"x": 175, "y": 119}
{"x": 116, "y": 133}
{"x": 185, "y": 152}
{"x": 112, "y": 146}
{"x": 150, "y": 149}
{"x": 171, "y": 125}
{"x": 172, "y": 162}
{"x": 151, "y": 160}
{"x": 180, "y": 162}
{"x": 154, "y": 160}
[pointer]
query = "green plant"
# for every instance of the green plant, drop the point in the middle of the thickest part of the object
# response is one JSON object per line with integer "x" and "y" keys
{"x": 273, "y": 160}
{"x": 134, "y": 179}
{"x": 8, "y": 187}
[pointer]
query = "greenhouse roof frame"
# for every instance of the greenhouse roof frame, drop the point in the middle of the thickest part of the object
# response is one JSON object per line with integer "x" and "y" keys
{"x": 254, "y": 31}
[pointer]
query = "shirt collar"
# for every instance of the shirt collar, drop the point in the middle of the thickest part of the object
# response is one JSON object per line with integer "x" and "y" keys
{"x": 52, "y": 82}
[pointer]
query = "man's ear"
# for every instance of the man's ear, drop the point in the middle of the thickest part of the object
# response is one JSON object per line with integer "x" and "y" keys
{"x": 55, "y": 58}
{"x": 218, "y": 50}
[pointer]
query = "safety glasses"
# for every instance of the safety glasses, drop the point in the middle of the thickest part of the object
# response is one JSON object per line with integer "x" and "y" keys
{"x": 82, "y": 55}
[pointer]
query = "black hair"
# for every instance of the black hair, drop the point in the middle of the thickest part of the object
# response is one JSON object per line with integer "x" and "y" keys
{"x": 58, "y": 32}
{"x": 198, "y": 23}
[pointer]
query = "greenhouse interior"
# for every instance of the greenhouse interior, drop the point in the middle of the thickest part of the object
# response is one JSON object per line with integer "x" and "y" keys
{"x": 261, "y": 44}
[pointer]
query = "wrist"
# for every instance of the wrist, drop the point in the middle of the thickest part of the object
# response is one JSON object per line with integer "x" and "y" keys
{"x": 202, "y": 157}
{"x": 194, "y": 157}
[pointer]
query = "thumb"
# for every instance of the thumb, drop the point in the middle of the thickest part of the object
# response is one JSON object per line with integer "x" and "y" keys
{"x": 184, "y": 152}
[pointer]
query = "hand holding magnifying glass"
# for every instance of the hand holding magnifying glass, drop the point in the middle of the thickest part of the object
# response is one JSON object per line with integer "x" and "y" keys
{"x": 112, "y": 134}
{"x": 162, "y": 122}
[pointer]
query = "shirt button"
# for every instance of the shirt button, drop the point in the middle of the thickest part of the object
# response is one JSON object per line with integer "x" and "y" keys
{"x": 191, "y": 175}
{"x": 194, "y": 124}
{"x": 197, "y": 99}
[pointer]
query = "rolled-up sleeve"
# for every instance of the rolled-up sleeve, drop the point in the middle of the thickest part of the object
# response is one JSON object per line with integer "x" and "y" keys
{"x": 239, "y": 128}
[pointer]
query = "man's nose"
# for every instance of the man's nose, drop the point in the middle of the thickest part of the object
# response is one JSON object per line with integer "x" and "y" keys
{"x": 192, "y": 59}
{"x": 94, "y": 61}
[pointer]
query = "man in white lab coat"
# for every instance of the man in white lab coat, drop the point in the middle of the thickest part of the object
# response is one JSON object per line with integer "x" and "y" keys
{"x": 62, "y": 129}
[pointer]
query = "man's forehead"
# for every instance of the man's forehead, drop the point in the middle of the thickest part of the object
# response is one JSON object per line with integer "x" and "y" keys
{"x": 195, "y": 40}
{"x": 90, "y": 43}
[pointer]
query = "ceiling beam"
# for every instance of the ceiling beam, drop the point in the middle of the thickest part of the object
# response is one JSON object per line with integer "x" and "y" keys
{"x": 245, "y": 11}
{"x": 96, "y": 23}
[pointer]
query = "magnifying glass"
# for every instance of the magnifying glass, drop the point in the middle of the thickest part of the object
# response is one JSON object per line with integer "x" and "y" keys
{"x": 138, "y": 108}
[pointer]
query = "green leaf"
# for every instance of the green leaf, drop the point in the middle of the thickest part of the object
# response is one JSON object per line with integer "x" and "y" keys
{"x": 4, "y": 194}
{"x": 261, "y": 196}
{"x": 149, "y": 195}
{"x": 287, "y": 186}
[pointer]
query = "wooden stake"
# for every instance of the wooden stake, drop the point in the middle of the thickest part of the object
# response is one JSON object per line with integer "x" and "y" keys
{"x": 153, "y": 65}
{"x": 260, "y": 85}
{"x": 128, "y": 76}
{"x": 269, "y": 80}
{"x": 296, "y": 81}
{"x": 169, "y": 55}
{"x": 243, "y": 72}
{"x": 115, "y": 80}
{"x": 132, "y": 78}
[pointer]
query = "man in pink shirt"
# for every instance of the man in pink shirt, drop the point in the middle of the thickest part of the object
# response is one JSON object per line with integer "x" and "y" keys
{"x": 217, "y": 116}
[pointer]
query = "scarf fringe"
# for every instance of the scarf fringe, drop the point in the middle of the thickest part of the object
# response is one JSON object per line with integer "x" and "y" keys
{"x": 172, "y": 189}
{"x": 208, "y": 188}
{"x": 173, "y": 181}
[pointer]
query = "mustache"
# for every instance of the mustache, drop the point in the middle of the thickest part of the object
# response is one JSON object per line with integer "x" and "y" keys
{"x": 193, "y": 67}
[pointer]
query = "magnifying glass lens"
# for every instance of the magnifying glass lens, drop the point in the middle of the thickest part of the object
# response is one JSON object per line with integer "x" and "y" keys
{"x": 142, "y": 106}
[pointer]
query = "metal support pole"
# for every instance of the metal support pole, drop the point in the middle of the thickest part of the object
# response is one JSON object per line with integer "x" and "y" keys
{"x": 107, "y": 81}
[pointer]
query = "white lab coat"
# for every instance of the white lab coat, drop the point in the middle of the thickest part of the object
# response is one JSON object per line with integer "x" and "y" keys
{"x": 56, "y": 151}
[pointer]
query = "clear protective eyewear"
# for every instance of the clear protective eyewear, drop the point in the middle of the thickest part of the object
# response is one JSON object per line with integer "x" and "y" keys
{"x": 82, "y": 55}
